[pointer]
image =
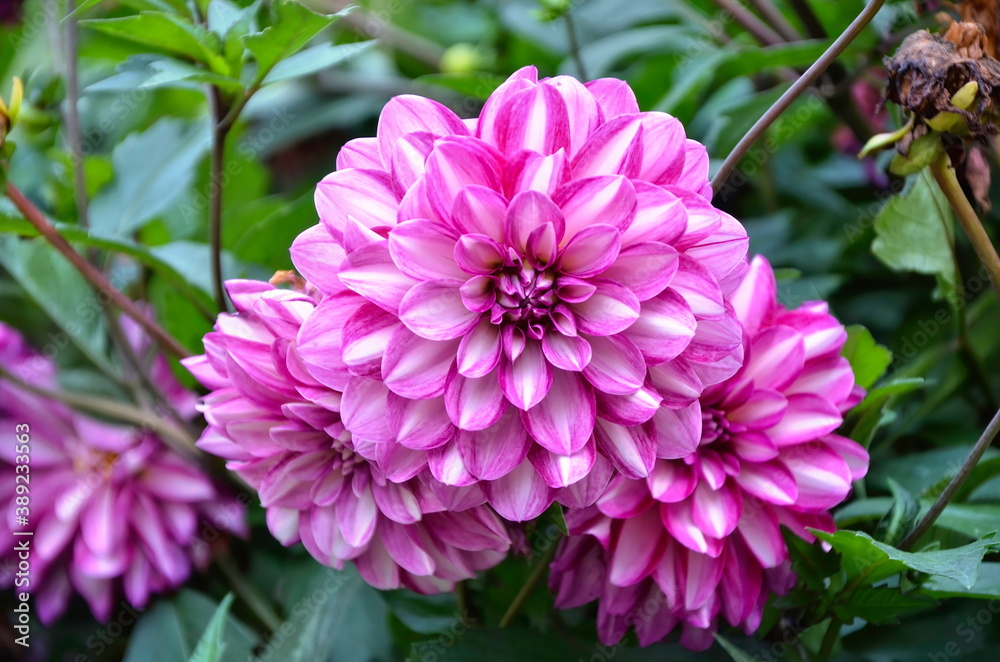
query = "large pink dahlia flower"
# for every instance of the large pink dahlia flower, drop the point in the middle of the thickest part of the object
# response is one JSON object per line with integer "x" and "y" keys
{"x": 700, "y": 536}
{"x": 113, "y": 509}
{"x": 520, "y": 295}
{"x": 284, "y": 432}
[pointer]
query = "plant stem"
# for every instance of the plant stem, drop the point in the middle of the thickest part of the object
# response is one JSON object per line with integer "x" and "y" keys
{"x": 220, "y": 130}
{"x": 955, "y": 484}
{"x": 178, "y": 439}
{"x": 255, "y": 600}
{"x": 944, "y": 174}
{"x": 777, "y": 20}
{"x": 830, "y": 638}
{"x": 809, "y": 19}
{"x": 92, "y": 274}
{"x": 73, "y": 135}
{"x": 529, "y": 585}
{"x": 749, "y": 21}
{"x": 797, "y": 88}
{"x": 574, "y": 45}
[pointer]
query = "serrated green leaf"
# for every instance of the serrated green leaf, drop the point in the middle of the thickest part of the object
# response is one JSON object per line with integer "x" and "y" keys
{"x": 174, "y": 73}
{"x": 292, "y": 27}
{"x": 211, "y": 645}
{"x": 868, "y": 359}
{"x": 166, "y": 33}
{"x": 312, "y": 60}
{"x": 914, "y": 232}
{"x": 231, "y": 23}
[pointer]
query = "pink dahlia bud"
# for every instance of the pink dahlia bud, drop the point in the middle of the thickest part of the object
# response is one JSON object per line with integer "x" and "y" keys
{"x": 112, "y": 509}
{"x": 700, "y": 536}
{"x": 344, "y": 496}
{"x": 521, "y": 295}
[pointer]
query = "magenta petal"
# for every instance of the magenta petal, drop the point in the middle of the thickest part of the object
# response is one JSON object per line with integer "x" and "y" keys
{"x": 664, "y": 329}
{"x": 636, "y": 550}
{"x": 808, "y": 417}
{"x": 359, "y": 153}
{"x": 617, "y": 366}
{"x": 317, "y": 257}
{"x": 631, "y": 449}
{"x": 853, "y": 453}
{"x": 490, "y": 124}
{"x": 480, "y": 210}
{"x": 724, "y": 251}
{"x": 418, "y": 424}
{"x": 542, "y": 246}
{"x": 763, "y": 409}
{"x": 564, "y": 420}
{"x": 679, "y": 521}
{"x": 584, "y": 492}
{"x": 611, "y": 309}
{"x": 717, "y": 512}
{"x": 562, "y": 470}
{"x": 677, "y": 383}
{"x": 455, "y": 164}
{"x": 762, "y": 536}
{"x": 754, "y": 299}
{"x": 408, "y": 159}
{"x": 821, "y": 475}
{"x": 821, "y": 333}
{"x": 571, "y": 353}
{"x": 582, "y": 108}
{"x": 678, "y": 431}
{"x": 645, "y": 268}
{"x": 625, "y": 498}
{"x": 365, "y": 195}
{"x": 694, "y": 176}
{"x": 531, "y": 171}
{"x": 424, "y": 250}
{"x": 753, "y": 447}
{"x": 370, "y": 272}
{"x": 526, "y": 380}
{"x": 535, "y": 119}
{"x": 319, "y": 341}
{"x": 479, "y": 351}
{"x": 357, "y": 516}
{"x": 671, "y": 481}
{"x": 363, "y": 409}
{"x": 775, "y": 359}
{"x": 396, "y": 502}
{"x": 478, "y": 254}
{"x": 474, "y": 403}
{"x": 434, "y": 310}
{"x": 660, "y": 216}
{"x": 664, "y": 146}
{"x": 399, "y": 463}
{"x": 408, "y": 113}
{"x": 527, "y": 211}
{"x": 770, "y": 481}
{"x": 479, "y": 293}
{"x": 614, "y": 96}
{"x": 447, "y": 466}
{"x": 631, "y": 409}
{"x": 608, "y": 200}
{"x": 495, "y": 451}
{"x": 365, "y": 337}
{"x": 415, "y": 367}
{"x": 591, "y": 251}
{"x": 520, "y": 495}
{"x": 614, "y": 149}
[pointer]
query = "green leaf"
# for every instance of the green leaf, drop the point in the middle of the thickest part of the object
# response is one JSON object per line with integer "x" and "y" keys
{"x": 972, "y": 519}
{"x": 883, "y": 605}
{"x": 231, "y": 23}
{"x": 166, "y": 33}
{"x": 986, "y": 587}
{"x": 914, "y": 232}
{"x": 425, "y": 614}
{"x": 874, "y": 561}
{"x": 73, "y": 305}
{"x": 175, "y": 73}
{"x": 811, "y": 563}
{"x": 923, "y": 152}
{"x": 476, "y": 85}
{"x": 900, "y": 519}
{"x": 292, "y": 27}
{"x": 868, "y": 359}
{"x": 338, "y": 618}
{"x": 734, "y": 652}
{"x": 170, "y": 630}
{"x": 211, "y": 646}
{"x": 314, "y": 59}
{"x": 146, "y": 187}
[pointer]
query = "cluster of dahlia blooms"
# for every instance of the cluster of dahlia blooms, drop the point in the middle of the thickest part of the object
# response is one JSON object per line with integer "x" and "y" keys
{"x": 700, "y": 536}
{"x": 112, "y": 509}
{"x": 537, "y": 305}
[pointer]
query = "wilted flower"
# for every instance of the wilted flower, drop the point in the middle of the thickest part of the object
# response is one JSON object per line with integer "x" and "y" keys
{"x": 521, "y": 295}
{"x": 700, "y": 536}
{"x": 345, "y": 497}
{"x": 112, "y": 508}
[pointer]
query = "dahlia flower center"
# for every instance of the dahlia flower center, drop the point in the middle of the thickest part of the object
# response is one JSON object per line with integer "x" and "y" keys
{"x": 715, "y": 427}
{"x": 524, "y": 296}
{"x": 342, "y": 447}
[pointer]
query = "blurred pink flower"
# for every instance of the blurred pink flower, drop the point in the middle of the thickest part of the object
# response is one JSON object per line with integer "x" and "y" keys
{"x": 282, "y": 431}
{"x": 112, "y": 508}
{"x": 700, "y": 536}
{"x": 523, "y": 296}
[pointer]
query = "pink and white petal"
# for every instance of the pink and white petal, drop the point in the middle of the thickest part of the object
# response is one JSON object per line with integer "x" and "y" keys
{"x": 397, "y": 502}
{"x": 703, "y": 574}
{"x": 762, "y": 536}
{"x": 660, "y": 216}
{"x": 320, "y": 338}
{"x": 365, "y": 195}
{"x": 447, "y": 466}
{"x": 610, "y": 200}
{"x": 415, "y": 367}
{"x": 403, "y": 545}
{"x": 537, "y": 119}
{"x": 725, "y": 250}
{"x": 495, "y": 451}
{"x": 317, "y": 257}
{"x": 480, "y": 350}
{"x": 822, "y": 334}
{"x": 526, "y": 380}
{"x": 364, "y": 339}
{"x": 489, "y": 123}
{"x": 531, "y": 171}
{"x": 371, "y": 272}
{"x": 418, "y": 424}
{"x": 478, "y": 254}
{"x": 821, "y": 474}
{"x": 424, "y": 250}
{"x": 753, "y": 447}
{"x": 377, "y": 567}
{"x": 360, "y": 153}
{"x": 671, "y": 481}
{"x": 664, "y": 329}
{"x": 808, "y": 417}
{"x": 582, "y": 109}
{"x": 636, "y": 549}
{"x": 694, "y": 176}
{"x": 408, "y": 159}
{"x": 754, "y": 299}
{"x": 357, "y": 516}
{"x": 542, "y": 246}
{"x": 854, "y": 454}
{"x": 678, "y": 518}
{"x": 434, "y": 310}
{"x": 763, "y": 409}
{"x": 625, "y": 498}
{"x": 646, "y": 268}
{"x": 520, "y": 495}
{"x": 585, "y": 492}
{"x": 717, "y": 512}
{"x": 611, "y": 309}
{"x": 614, "y": 96}
{"x": 455, "y": 164}
{"x": 408, "y": 113}
{"x": 716, "y": 339}
{"x": 631, "y": 449}
{"x": 664, "y": 146}
{"x": 617, "y": 366}
{"x": 479, "y": 210}
{"x": 769, "y": 481}
{"x": 571, "y": 353}
{"x": 832, "y": 376}
{"x": 530, "y": 210}
{"x": 698, "y": 287}
{"x": 474, "y": 403}
{"x": 564, "y": 420}
{"x": 615, "y": 149}
{"x": 479, "y": 293}
{"x": 363, "y": 409}
{"x": 590, "y": 251}
{"x": 399, "y": 463}
{"x": 677, "y": 383}
{"x": 560, "y": 471}
{"x": 678, "y": 431}
{"x": 632, "y": 409}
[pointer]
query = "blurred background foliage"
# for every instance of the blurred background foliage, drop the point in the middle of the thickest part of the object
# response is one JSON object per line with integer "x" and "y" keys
{"x": 827, "y": 220}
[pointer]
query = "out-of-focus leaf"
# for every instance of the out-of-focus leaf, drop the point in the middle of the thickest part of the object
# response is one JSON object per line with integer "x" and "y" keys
{"x": 987, "y": 587}
{"x": 169, "y": 631}
{"x": 211, "y": 646}
{"x": 972, "y": 519}
{"x": 737, "y": 654}
{"x": 900, "y": 518}
{"x": 476, "y": 85}
{"x": 292, "y": 27}
{"x": 426, "y": 614}
{"x": 147, "y": 186}
{"x": 314, "y": 59}
{"x": 174, "y": 73}
{"x": 166, "y": 33}
{"x": 883, "y": 605}
{"x": 868, "y": 359}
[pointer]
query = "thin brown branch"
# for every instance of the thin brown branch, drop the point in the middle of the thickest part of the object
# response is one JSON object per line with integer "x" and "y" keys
{"x": 220, "y": 130}
{"x": 798, "y": 87}
{"x": 92, "y": 274}
{"x": 749, "y": 21}
{"x": 814, "y": 28}
{"x": 73, "y": 134}
{"x": 776, "y": 19}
